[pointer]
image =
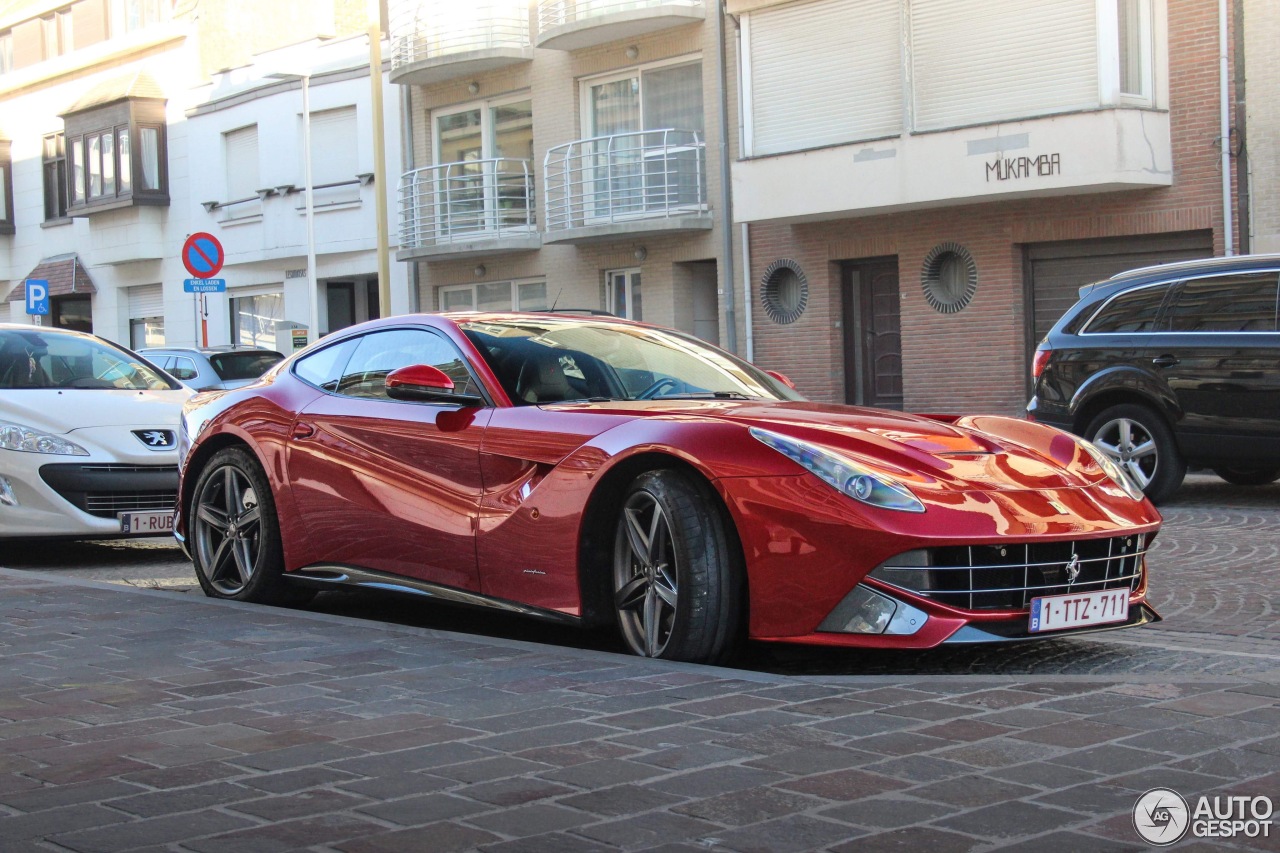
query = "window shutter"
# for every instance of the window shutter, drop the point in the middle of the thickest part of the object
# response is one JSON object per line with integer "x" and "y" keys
{"x": 146, "y": 300}
{"x": 976, "y": 62}
{"x": 333, "y": 145}
{"x": 825, "y": 73}
{"x": 242, "y": 163}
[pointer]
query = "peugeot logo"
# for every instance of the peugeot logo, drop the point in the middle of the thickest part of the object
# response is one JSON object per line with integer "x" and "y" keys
{"x": 1073, "y": 569}
{"x": 155, "y": 439}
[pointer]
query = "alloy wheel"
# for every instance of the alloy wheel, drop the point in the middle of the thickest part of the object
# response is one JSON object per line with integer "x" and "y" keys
{"x": 228, "y": 529}
{"x": 1132, "y": 447}
{"x": 646, "y": 589}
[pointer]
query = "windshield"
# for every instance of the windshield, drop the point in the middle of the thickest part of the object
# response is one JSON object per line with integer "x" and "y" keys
{"x": 243, "y": 365}
{"x": 543, "y": 360}
{"x": 34, "y": 359}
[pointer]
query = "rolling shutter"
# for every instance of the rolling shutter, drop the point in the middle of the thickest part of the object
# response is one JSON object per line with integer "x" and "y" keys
{"x": 824, "y": 73}
{"x": 333, "y": 145}
{"x": 242, "y": 162}
{"x": 146, "y": 300}
{"x": 975, "y": 61}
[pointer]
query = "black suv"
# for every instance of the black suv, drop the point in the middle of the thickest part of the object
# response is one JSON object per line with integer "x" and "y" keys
{"x": 1171, "y": 365}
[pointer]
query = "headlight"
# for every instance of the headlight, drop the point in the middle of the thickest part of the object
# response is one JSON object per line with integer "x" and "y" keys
{"x": 842, "y": 473}
{"x": 28, "y": 440}
{"x": 1111, "y": 469}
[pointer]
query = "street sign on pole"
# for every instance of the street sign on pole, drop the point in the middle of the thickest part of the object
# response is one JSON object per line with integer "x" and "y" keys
{"x": 202, "y": 255}
{"x": 37, "y": 296}
{"x": 204, "y": 285}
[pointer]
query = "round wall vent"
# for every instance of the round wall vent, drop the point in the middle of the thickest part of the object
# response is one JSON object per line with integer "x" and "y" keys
{"x": 949, "y": 277}
{"x": 784, "y": 290}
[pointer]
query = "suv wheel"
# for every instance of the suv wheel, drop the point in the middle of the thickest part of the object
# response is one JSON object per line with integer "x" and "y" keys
{"x": 1244, "y": 475}
{"x": 1142, "y": 444}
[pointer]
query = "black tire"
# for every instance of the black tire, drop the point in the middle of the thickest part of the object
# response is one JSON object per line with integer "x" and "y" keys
{"x": 1140, "y": 441}
{"x": 1244, "y": 475}
{"x": 235, "y": 534}
{"x": 691, "y": 578}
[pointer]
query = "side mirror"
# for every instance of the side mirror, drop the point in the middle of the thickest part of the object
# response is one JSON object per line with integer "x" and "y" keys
{"x": 782, "y": 377}
{"x": 426, "y": 384}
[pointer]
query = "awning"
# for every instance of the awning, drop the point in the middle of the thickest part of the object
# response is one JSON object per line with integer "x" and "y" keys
{"x": 65, "y": 274}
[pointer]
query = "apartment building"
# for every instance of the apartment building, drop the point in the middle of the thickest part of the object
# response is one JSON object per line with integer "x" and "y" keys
{"x": 928, "y": 182}
{"x": 566, "y": 153}
{"x": 127, "y": 125}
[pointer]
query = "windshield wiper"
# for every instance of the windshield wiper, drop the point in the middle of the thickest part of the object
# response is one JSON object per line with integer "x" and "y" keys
{"x": 707, "y": 395}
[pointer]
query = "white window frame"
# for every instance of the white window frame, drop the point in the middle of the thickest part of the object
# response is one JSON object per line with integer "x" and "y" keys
{"x": 487, "y": 130}
{"x": 1109, "y": 55}
{"x": 610, "y": 276}
{"x": 636, "y": 71}
{"x": 515, "y": 285}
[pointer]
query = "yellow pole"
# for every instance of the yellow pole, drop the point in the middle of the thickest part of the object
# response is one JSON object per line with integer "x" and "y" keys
{"x": 379, "y": 160}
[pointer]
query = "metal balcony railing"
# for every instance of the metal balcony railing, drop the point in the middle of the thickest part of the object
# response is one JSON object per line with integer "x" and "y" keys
{"x": 466, "y": 202}
{"x": 642, "y": 175}
{"x": 558, "y": 13}
{"x": 432, "y": 29}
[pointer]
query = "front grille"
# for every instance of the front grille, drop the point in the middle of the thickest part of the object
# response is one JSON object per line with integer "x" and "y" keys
{"x": 107, "y": 504}
{"x": 104, "y": 489}
{"x": 1007, "y": 577}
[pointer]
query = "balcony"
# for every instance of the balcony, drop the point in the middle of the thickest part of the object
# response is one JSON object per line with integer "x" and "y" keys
{"x": 575, "y": 24}
{"x": 470, "y": 209}
{"x": 437, "y": 40}
{"x": 647, "y": 182}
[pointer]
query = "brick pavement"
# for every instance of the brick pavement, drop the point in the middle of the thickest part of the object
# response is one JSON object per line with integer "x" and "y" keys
{"x": 141, "y": 720}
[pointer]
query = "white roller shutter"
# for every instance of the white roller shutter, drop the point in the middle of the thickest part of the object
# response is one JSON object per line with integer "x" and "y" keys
{"x": 975, "y": 61}
{"x": 146, "y": 300}
{"x": 333, "y": 145}
{"x": 824, "y": 73}
{"x": 242, "y": 162}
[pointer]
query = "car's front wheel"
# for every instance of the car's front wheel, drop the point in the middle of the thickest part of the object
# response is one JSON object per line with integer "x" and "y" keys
{"x": 676, "y": 573}
{"x": 1142, "y": 444}
{"x": 235, "y": 535}
{"x": 1244, "y": 475}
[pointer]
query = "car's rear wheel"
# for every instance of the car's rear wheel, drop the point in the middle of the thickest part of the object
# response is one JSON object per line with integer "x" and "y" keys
{"x": 1243, "y": 475}
{"x": 235, "y": 535}
{"x": 676, "y": 574}
{"x": 1141, "y": 443}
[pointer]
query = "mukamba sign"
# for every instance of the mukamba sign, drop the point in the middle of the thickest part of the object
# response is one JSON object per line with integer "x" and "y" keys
{"x": 1014, "y": 168}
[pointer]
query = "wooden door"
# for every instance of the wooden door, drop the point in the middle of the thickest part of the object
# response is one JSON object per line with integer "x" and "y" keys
{"x": 872, "y": 334}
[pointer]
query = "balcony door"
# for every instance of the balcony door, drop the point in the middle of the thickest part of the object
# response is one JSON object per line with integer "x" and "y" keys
{"x": 643, "y": 128}
{"x": 483, "y": 179}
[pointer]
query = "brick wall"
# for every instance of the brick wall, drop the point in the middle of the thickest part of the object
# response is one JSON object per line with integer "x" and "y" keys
{"x": 974, "y": 360}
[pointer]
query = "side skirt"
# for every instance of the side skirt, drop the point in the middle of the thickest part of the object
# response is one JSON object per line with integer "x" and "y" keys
{"x": 329, "y": 575}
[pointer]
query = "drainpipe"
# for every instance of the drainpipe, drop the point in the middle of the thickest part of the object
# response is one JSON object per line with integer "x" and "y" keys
{"x": 726, "y": 193}
{"x": 1224, "y": 82}
{"x": 746, "y": 292}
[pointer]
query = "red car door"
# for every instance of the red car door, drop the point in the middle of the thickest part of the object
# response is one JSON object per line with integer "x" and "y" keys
{"x": 392, "y": 485}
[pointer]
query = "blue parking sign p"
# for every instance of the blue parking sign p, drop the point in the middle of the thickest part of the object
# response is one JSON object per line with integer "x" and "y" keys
{"x": 37, "y": 296}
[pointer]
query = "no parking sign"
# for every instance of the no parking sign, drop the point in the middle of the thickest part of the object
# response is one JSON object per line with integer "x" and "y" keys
{"x": 202, "y": 255}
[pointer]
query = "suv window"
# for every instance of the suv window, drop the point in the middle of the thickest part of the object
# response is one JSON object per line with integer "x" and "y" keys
{"x": 183, "y": 368}
{"x": 1135, "y": 311}
{"x": 243, "y": 365}
{"x": 380, "y": 353}
{"x": 1229, "y": 303}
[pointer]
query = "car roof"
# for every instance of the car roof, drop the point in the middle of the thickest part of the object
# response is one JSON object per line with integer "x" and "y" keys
{"x": 209, "y": 350}
{"x": 1161, "y": 272}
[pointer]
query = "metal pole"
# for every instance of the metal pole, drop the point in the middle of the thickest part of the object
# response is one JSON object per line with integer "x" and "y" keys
{"x": 379, "y": 160}
{"x": 313, "y": 296}
{"x": 726, "y": 192}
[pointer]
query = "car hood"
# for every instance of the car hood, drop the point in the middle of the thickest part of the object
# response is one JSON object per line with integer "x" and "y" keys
{"x": 1004, "y": 454}
{"x": 64, "y": 410}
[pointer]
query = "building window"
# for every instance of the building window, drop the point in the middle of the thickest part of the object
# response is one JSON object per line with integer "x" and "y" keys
{"x": 148, "y": 332}
{"x": 1134, "y": 42}
{"x": 6, "y": 52}
{"x": 130, "y": 15}
{"x": 254, "y": 318}
{"x": 622, "y": 293}
{"x": 666, "y": 96}
{"x": 484, "y": 153}
{"x": 495, "y": 296}
{"x": 6, "y": 189}
{"x": 55, "y": 177}
{"x": 116, "y": 154}
{"x": 72, "y": 312}
{"x": 240, "y": 154}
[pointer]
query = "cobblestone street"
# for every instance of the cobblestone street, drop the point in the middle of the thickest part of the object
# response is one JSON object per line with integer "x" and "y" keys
{"x": 136, "y": 719}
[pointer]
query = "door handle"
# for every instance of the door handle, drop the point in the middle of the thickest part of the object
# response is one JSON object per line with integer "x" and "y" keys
{"x": 303, "y": 430}
{"x": 1165, "y": 361}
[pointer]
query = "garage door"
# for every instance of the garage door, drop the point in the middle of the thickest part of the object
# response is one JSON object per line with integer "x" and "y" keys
{"x": 1057, "y": 271}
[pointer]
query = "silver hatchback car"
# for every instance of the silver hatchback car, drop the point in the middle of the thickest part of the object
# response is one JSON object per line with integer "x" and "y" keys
{"x": 209, "y": 368}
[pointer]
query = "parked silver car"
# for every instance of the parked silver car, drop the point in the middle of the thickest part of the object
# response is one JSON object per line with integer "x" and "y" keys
{"x": 207, "y": 368}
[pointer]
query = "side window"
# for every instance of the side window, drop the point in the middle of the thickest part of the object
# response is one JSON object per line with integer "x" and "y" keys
{"x": 382, "y": 352}
{"x": 183, "y": 368}
{"x": 1229, "y": 303}
{"x": 1130, "y": 312}
{"x": 323, "y": 368}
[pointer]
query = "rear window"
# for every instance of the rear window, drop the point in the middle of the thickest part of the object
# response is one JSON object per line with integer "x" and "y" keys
{"x": 243, "y": 365}
{"x": 1135, "y": 311}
